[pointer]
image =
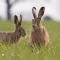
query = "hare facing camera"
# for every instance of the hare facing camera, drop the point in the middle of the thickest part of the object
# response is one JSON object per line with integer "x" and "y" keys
{"x": 39, "y": 34}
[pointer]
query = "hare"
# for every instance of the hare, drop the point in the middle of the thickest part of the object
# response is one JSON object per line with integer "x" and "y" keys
{"x": 13, "y": 37}
{"x": 39, "y": 34}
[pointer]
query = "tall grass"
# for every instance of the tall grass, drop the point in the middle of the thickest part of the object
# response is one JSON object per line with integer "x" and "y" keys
{"x": 22, "y": 50}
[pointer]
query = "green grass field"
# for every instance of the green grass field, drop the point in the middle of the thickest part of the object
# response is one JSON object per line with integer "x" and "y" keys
{"x": 22, "y": 50}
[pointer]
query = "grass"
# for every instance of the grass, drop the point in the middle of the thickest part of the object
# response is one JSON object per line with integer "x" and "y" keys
{"x": 22, "y": 51}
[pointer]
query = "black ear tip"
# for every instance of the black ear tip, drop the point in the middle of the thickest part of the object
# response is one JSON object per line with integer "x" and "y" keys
{"x": 15, "y": 16}
{"x": 20, "y": 15}
{"x": 42, "y": 8}
{"x": 34, "y": 8}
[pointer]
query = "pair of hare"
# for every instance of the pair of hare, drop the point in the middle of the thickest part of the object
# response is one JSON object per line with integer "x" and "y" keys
{"x": 39, "y": 35}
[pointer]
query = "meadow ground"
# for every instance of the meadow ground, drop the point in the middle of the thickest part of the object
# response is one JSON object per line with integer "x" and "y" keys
{"x": 22, "y": 50}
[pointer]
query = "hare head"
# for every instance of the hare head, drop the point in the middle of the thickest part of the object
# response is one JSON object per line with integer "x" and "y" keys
{"x": 37, "y": 19}
{"x": 19, "y": 30}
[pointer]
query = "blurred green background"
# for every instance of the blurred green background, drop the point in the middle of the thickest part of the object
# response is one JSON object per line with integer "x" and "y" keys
{"x": 22, "y": 51}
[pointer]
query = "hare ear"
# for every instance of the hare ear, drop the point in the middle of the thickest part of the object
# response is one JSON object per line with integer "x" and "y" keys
{"x": 20, "y": 20}
{"x": 15, "y": 19}
{"x": 41, "y": 12}
{"x": 34, "y": 12}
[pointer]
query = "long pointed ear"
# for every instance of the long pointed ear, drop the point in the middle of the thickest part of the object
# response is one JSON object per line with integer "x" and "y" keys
{"x": 34, "y": 12}
{"x": 20, "y": 20}
{"x": 41, "y": 12}
{"x": 15, "y": 19}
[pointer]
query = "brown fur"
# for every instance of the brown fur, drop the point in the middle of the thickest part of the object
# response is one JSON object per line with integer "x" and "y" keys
{"x": 39, "y": 35}
{"x": 13, "y": 37}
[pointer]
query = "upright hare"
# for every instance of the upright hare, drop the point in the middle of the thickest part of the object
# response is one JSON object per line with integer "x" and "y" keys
{"x": 39, "y": 35}
{"x": 13, "y": 37}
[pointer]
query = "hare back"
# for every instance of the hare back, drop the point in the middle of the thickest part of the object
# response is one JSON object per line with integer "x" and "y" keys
{"x": 7, "y": 37}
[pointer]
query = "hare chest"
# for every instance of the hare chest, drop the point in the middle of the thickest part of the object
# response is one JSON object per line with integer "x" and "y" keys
{"x": 38, "y": 38}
